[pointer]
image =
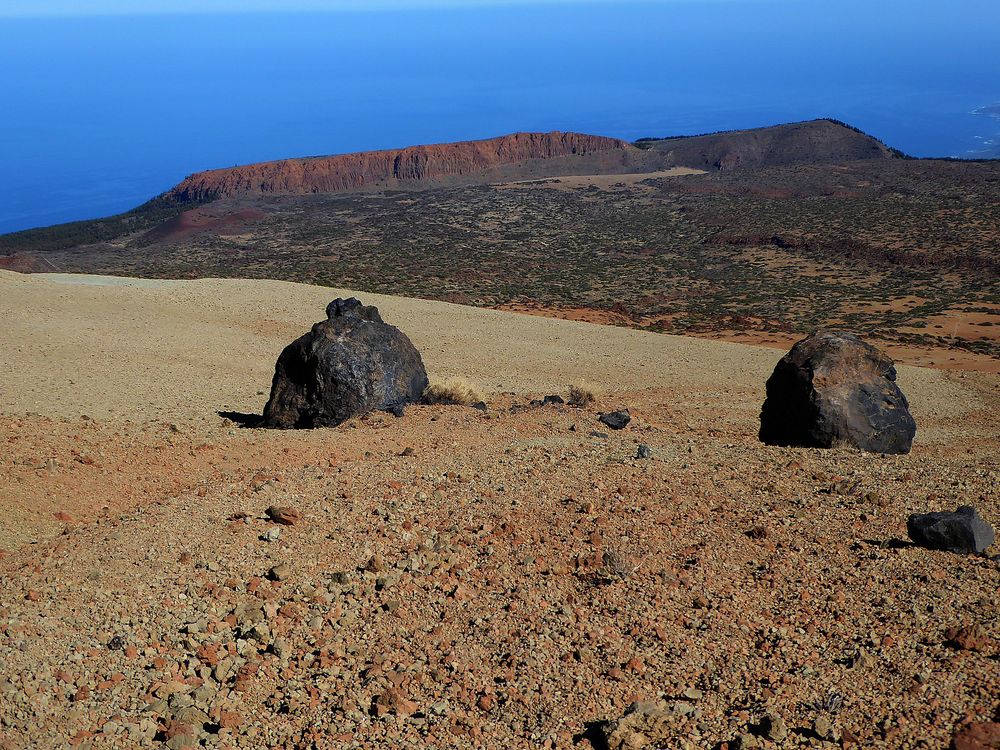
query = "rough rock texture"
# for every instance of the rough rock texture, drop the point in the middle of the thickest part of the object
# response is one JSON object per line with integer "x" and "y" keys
{"x": 489, "y": 606}
{"x": 982, "y": 736}
{"x": 644, "y": 725}
{"x": 832, "y": 388}
{"x": 328, "y": 174}
{"x": 812, "y": 142}
{"x": 963, "y": 530}
{"x": 350, "y": 364}
{"x": 971, "y": 637}
{"x": 616, "y": 420}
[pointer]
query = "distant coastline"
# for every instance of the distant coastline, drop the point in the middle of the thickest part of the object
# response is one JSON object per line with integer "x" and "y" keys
{"x": 99, "y": 116}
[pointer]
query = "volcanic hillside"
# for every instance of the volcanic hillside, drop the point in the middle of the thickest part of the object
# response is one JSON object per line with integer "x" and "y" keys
{"x": 459, "y": 578}
{"x": 812, "y": 142}
{"x": 759, "y": 235}
{"x": 346, "y": 172}
{"x": 535, "y": 155}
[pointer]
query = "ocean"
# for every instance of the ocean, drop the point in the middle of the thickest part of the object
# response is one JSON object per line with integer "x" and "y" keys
{"x": 100, "y": 114}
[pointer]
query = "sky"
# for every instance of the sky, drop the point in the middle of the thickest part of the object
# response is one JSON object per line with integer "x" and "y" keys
{"x": 41, "y": 8}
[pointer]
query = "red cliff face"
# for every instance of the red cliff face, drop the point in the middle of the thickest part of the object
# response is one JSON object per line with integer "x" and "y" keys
{"x": 331, "y": 174}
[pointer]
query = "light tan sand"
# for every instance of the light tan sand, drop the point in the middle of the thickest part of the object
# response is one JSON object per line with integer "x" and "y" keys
{"x": 139, "y": 349}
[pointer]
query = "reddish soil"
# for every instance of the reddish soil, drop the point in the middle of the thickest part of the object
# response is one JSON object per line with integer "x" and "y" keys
{"x": 204, "y": 220}
{"x": 26, "y": 263}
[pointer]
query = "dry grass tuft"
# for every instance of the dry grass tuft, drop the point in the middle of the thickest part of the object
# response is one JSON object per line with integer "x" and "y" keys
{"x": 583, "y": 394}
{"x": 452, "y": 391}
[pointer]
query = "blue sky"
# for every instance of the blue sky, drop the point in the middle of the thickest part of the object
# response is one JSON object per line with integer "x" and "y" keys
{"x": 33, "y": 8}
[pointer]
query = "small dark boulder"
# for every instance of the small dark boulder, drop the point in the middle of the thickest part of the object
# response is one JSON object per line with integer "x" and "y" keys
{"x": 616, "y": 420}
{"x": 963, "y": 530}
{"x": 832, "y": 388}
{"x": 547, "y": 401}
{"x": 348, "y": 365}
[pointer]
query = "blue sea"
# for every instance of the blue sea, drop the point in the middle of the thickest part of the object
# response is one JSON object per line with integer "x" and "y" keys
{"x": 99, "y": 114}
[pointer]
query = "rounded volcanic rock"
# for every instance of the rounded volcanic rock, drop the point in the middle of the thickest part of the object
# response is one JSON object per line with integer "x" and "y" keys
{"x": 348, "y": 365}
{"x": 963, "y": 530}
{"x": 832, "y": 388}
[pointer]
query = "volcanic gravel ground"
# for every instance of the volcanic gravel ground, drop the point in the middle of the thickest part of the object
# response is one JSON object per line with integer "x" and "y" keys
{"x": 458, "y": 578}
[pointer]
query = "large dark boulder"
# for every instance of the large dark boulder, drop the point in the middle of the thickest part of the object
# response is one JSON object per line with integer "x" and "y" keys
{"x": 834, "y": 389}
{"x": 963, "y": 530}
{"x": 350, "y": 364}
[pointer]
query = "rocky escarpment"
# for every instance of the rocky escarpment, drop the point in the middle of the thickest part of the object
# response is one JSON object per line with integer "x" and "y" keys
{"x": 331, "y": 174}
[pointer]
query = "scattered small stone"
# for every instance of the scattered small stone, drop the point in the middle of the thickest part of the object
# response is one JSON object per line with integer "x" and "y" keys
{"x": 969, "y": 638}
{"x": 116, "y": 644}
{"x": 822, "y": 728}
{"x": 283, "y": 514}
{"x": 643, "y": 725}
{"x": 280, "y": 572}
{"x": 616, "y": 420}
{"x": 963, "y": 530}
{"x": 773, "y": 728}
{"x": 693, "y": 694}
{"x": 847, "y": 737}
{"x": 643, "y": 452}
{"x": 271, "y": 535}
{"x": 862, "y": 659}
{"x": 407, "y": 451}
{"x": 191, "y": 716}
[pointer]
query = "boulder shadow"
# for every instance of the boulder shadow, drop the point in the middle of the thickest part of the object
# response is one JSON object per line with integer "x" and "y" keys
{"x": 593, "y": 733}
{"x": 242, "y": 419}
{"x": 889, "y": 543}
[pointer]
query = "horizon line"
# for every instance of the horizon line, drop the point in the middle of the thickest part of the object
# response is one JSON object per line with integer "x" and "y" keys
{"x": 120, "y": 8}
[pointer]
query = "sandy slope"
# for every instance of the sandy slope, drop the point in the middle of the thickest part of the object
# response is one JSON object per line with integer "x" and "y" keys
{"x": 134, "y": 348}
{"x": 514, "y": 578}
